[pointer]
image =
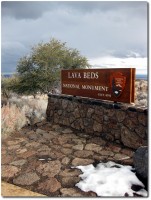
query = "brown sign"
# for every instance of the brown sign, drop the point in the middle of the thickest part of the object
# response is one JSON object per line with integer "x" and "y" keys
{"x": 107, "y": 84}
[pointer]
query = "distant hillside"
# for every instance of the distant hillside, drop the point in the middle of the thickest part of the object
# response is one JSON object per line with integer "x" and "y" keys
{"x": 7, "y": 75}
{"x": 138, "y": 76}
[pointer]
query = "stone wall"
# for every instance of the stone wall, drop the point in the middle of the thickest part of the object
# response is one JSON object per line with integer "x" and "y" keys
{"x": 120, "y": 123}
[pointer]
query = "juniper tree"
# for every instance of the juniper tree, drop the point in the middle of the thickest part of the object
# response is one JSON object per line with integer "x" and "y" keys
{"x": 40, "y": 71}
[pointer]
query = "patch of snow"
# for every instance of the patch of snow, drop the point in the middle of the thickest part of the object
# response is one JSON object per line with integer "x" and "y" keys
{"x": 109, "y": 179}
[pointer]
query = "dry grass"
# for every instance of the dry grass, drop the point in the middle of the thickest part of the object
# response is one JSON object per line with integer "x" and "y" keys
{"x": 12, "y": 119}
{"x": 141, "y": 93}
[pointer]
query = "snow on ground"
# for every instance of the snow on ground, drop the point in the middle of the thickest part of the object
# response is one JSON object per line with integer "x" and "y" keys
{"x": 109, "y": 179}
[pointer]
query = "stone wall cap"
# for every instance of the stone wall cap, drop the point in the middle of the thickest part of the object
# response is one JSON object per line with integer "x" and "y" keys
{"x": 103, "y": 103}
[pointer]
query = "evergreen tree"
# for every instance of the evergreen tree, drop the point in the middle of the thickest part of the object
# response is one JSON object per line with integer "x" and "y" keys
{"x": 40, "y": 71}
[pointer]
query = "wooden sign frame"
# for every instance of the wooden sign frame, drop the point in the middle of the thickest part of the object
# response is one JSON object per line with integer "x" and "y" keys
{"x": 116, "y": 84}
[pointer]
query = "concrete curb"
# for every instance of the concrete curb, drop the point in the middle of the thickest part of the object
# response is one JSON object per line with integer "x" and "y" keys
{"x": 9, "y": 190}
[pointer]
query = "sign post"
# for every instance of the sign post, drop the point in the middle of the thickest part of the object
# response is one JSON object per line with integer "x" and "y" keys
{"x": 116, "y": 84}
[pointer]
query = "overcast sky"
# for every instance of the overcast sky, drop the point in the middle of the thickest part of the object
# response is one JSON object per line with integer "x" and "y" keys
{"x": 97, "y": 29}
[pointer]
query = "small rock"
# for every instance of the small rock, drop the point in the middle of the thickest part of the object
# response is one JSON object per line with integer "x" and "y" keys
{"x": 97, "y": 140}
{"x": 65, "y": 161}
{"x": 33, "y": 144}
{"x": 106, "y": 153}
{"x": 19, "y": 151}
{"x": 61, "y": 140}
{"x": 66, "y": 151}
{"x": 67, "y": 145}
{"x": 40, "y": 131}
{"x": 55, "y": 154}
{"x": 127, "y": 162}
{"x": 93, "y": 147}
{"x": 26, "y": 179}
{"x": 23, "y": 131}
{"x": 78, "y": 147}
{"x": 53, "y": 134}
{"x": 57, "y": 128}
{"x": 43, "y": 141}
{"x": 8, "y": 171}
{"x": 19, "y": 162}
{"x": 97, "y": 127}
{"x": 6, "y": 159}
{"x": 44, "y": 154}
{"x": 20, "y": 139}
{"x": 129, "y": 141}
{"x": 90, "y": 194}
{"x": 79, "y": 141}
{"x": 50, "y": 185}
{"x": 83, "y": 154}
{"x": 69, "y": 181}
{"x": 43, "y": 148}
{"x": 83, "y": 135}
{"x": 64, "y": 103}
{"x": 120, "y": 156}
{"x": 120, "y": 115}
{"x": 33, "y": 137}
{"x": 67, "y": 130}
{"x": 42, "y": 123}
{"x": 90, "y": 112}
{"x": 49, "y": 169}
{"x": 115, "y": 148}
{"x": 30, "y": 133}
{"x": 71, "y": 135}
{"x": 127, "y": 152}
{"x": 70, "y": 172}
{"x": 3, "y": 151}
{"x": 47, "y": 136}
{"x": 27, "y": 154}
{"x": 14, "y": 147}
{"x": 56, "y": 147}
{"x": 100, "y": 158}
{"x": 70, "y": 192}
{"x": 80, "y": 161}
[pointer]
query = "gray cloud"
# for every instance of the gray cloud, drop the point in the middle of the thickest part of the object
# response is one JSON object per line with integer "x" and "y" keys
{"x": 94, "y": 28}
{"x": 11, "y": 54}
{"x": 24, "y": 9}
{"x": 35, "y": 9}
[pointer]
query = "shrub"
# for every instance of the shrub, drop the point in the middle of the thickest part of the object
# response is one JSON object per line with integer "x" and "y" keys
{"x": 20, "y": 112}
{"x": 12, "y": 119}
